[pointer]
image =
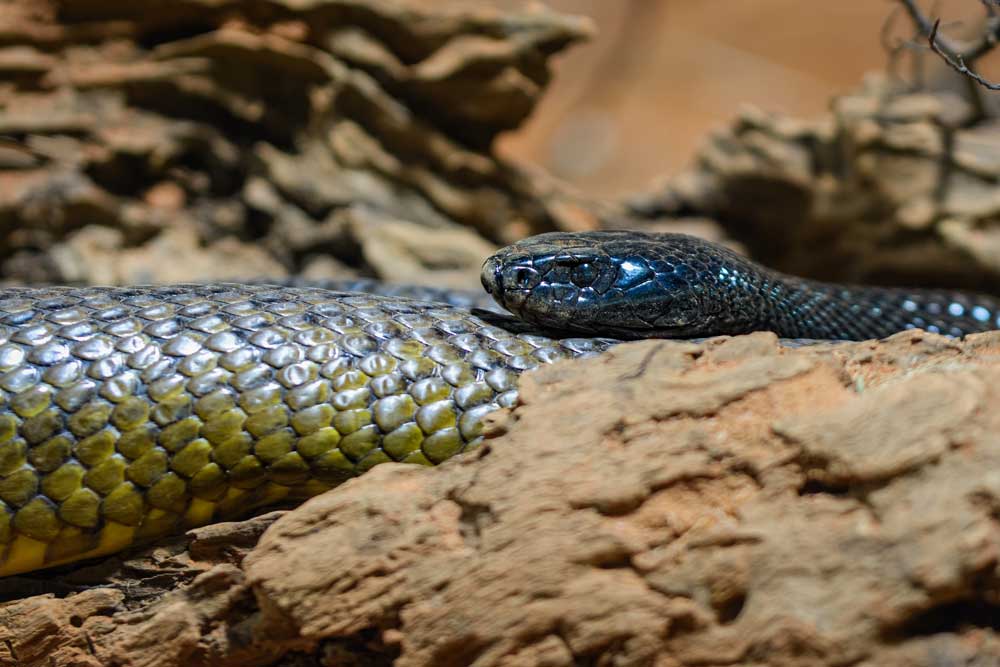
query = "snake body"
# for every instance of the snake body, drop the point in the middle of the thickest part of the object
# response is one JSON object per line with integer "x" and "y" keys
{"x": 128, "y": 413}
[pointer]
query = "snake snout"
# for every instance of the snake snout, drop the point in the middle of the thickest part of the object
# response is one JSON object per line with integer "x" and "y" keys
{"x": 490, "y": 276}
{"x": 510, "y": 280}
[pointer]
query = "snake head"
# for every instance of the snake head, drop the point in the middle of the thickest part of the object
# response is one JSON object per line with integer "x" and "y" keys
{"x": 623, "y": 284}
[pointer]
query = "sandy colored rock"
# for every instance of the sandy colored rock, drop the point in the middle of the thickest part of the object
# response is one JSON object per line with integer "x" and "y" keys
{"x": 133, "y": 142}
{"x": 403, "y": 252}
{"x": 97, "y": 254}
{"x": 44, "y": 629}
{"x": 893, "y": 186}
{"x": 666, "y": 503}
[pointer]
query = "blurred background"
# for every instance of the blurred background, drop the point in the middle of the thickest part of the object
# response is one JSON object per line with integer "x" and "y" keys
{"x": 634, "y": 103}
{"x": 334, "y": 138}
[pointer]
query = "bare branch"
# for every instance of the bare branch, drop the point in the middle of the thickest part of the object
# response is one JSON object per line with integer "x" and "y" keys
{"x": 958, "y": 63}
{"x": 896, "y": 47}
{"x": 925, "y": 25}
{"x": 961, "y": 57}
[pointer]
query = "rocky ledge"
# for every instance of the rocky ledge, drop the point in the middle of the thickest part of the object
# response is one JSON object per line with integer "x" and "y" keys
{"x": 728, "y": 502}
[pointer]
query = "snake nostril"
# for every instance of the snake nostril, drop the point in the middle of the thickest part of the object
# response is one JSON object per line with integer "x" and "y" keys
{"x": 490, "y": 276}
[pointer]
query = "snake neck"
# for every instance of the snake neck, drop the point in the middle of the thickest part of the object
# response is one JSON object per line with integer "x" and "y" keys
{"x": 800, "y": 308}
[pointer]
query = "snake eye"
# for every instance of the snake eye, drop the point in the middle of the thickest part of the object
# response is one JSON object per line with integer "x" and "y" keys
{"x": 584, "y": 275}
{"x": 521, "y": 277}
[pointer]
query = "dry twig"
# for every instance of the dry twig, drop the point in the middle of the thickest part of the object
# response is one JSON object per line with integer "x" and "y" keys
{"x": 960, "y": 57}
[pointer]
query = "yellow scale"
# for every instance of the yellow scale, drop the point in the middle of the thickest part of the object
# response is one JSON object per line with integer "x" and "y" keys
{"x": 25, "y": 554}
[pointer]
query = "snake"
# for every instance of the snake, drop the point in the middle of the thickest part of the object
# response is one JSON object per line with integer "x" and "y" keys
{"x": 131, "y": 413}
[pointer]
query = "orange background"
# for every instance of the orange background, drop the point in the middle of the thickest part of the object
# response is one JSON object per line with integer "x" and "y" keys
{"x": 635, "y": 103}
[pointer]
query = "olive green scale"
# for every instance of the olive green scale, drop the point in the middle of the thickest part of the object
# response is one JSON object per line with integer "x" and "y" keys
{"x": 128, "y": 413}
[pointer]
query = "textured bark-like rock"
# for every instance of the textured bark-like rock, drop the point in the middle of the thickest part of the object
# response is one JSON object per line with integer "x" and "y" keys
{"x": 249, "y": 136}
{"x": 666, "y": 503}
{"x": 891, "y": 187}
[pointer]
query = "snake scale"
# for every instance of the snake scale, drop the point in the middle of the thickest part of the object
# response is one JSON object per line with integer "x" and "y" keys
{"x": 129, "y": 413}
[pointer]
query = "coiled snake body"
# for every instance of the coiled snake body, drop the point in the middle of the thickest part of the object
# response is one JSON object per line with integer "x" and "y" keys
{"x": 128, "y": 413}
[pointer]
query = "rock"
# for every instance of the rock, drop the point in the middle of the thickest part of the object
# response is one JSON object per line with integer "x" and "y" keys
{"x": 731, "y": 501}
{"x": 121, "y": 120}
{"x": 667, "y": 503}
{"x": 892, "y": 187}
{"x": 44, "y": 629}
{"x": 99, "y": 255}
{"x": 403, "y": 252}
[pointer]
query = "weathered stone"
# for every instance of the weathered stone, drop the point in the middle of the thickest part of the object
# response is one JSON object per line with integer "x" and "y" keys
{"x": 872, "y": 192}
{"x": 128, "y": 123}
{"x": 731, "y": 501}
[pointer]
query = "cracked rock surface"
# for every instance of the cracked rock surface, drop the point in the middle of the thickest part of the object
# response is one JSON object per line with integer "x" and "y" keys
{"x": 893, "y": 186}
{"x": 666, "y": 503}
{"x": 267, "y": 138}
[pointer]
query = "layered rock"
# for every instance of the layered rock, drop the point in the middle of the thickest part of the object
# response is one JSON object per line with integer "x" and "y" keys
{"x": 729, "y": 502}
